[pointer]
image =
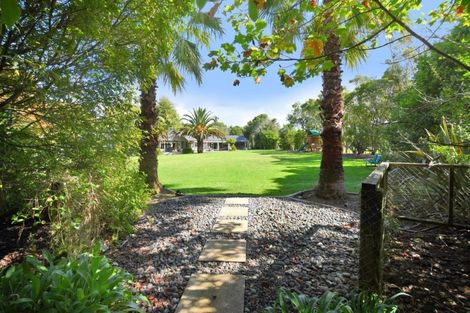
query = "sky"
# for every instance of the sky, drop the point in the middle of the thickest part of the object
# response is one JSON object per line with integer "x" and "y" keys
{"x": 237, "y": 105}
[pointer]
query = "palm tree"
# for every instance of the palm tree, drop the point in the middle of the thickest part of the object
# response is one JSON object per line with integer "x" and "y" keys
{"x": 200, "y": 124}
{"x": 331, "y": 182}
{"x": 186, "y": 58}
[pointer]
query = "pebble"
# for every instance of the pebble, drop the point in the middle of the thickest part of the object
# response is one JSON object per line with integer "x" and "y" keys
{"x": 291, "y": 244}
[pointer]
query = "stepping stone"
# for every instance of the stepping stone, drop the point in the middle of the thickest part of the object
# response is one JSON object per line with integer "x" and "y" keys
{"x": 233, "y": 211}
{"x": 224, "y": 250}
{"x": 236, "y": 201}
{"x": 230, "y": 226}
{"x": 209, "y": 293}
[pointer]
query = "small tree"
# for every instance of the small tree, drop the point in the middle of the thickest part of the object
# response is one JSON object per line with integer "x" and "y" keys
{"x": 231, "y": 144}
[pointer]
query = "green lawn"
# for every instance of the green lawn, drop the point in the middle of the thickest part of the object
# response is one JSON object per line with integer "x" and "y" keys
{"x": 251, "y": 172}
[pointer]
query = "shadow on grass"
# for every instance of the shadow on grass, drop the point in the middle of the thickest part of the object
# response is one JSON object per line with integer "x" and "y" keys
{"x": 210, "y": 191}
{"x": 303, "y": 173}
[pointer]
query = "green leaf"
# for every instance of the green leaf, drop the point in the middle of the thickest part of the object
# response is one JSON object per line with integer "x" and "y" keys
{"x": 10, "y": 11}
{"x": 80, "y": 294}
{"x": 201, "y": 3}
{"x": 252, "y": 10}
{"x": 261, "y": 24}
{"x": 36, "y": 287}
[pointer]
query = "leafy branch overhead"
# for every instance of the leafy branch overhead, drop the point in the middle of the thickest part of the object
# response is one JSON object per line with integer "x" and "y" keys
{"x": 292, "y": 34}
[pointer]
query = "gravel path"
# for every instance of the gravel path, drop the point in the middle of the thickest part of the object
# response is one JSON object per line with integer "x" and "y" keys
{"x": 304, "y": 247}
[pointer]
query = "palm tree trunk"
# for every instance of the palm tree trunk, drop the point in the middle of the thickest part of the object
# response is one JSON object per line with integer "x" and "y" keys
{"x": 148, "y": 163}
{"x": 331, "y": 182}
{"x": 200, "y": 146}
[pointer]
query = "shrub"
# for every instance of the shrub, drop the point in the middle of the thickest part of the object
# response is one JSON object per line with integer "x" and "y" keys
{"x": 86, "y": 187}
{"x": 330, "y": 302}
{"x": 187, "y": 150}
{"x": 231, "y": 144}
{"x": 87, "y": 283}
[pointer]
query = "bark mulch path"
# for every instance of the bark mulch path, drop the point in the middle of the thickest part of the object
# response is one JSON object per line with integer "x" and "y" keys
{"x": 432, "y": 264}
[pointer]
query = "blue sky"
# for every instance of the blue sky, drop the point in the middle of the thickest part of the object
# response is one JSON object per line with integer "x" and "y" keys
{"x": 237, "y": 105}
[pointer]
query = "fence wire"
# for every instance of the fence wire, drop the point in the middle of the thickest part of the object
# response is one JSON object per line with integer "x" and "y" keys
{"x": 424, "y": 193}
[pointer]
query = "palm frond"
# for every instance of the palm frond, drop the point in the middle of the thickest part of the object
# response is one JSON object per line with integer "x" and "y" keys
{"x": 203, "y": 22}
{"x": 187, "y": 57}
{"x": 170, "y": 75}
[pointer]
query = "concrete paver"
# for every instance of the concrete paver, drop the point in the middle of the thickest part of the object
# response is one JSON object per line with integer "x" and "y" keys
{"x": 230, "y": 226}
{"x": 210, "y": 293}
{"x": 233, "y": 211}
{"x": 224, "y": 250}
{"x": 238, "y": 201}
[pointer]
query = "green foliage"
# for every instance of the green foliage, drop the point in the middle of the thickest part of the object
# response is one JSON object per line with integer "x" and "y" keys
{"x": 450, "y": 145}
{"x": 262, "y": 132}
{"x": 368, "y": 109}
{"x": 187, "y": 150}
{"x": 168, "y": 117}
{"x": 287, "y": 138}
{"x": 222, "y": 127}
{"x": 267, "y": 139}
{"x": 86, "y": 283}
{"x": 296, "y": 37}
{"x": 74, "y": 172}
{"x": 67, "y": 123}
{"x": 439, "y": 89}
{"x": 236, "y": 130}
{"x": 330, "y": 302}
{"x": 305, "y": 115}
{"x": 10, "y": 12}
{"x": 231, "y": 142}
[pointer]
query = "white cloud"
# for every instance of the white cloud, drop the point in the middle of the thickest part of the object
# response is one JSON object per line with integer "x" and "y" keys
{"x": 238, "y": 105}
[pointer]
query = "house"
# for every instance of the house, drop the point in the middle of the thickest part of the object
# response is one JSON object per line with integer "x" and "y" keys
{"x": 174, "y": 142}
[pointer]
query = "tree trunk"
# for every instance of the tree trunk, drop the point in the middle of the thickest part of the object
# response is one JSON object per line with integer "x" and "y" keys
{"x": 200, "y": 146}
{"x": 148, "y": 163}
{"x": 331, "y": 183}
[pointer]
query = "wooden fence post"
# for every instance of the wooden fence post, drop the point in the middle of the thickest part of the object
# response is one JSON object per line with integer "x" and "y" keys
{"x": 372, "y": 232}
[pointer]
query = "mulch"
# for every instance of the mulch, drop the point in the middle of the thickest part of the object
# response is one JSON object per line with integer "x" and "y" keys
{"x": 432, "y": 264}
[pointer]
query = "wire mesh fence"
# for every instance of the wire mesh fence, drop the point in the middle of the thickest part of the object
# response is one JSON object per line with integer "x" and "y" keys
{"x": 438, "y": 194}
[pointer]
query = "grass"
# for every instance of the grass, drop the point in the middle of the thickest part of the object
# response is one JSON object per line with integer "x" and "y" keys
{"x": 252, "y": 172}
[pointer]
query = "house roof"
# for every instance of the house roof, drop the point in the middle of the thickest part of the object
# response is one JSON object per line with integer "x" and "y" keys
{"x": 173, "y": 136}
{"x": 214, "y": 139}
{"x": 237, "y": 138}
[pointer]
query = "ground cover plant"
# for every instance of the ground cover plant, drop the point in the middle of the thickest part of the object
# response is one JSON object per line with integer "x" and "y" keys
{"x": 256, "y": 172}
{"x": 330, "y": 302}
{"x": 87, "y": 283}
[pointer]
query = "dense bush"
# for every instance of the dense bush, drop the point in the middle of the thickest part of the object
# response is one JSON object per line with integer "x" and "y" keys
{"x": 75, "y": 174}
{"x": 187, "y": 150}
{"x": 330, "y": 302}
{"x": 87, "y": 283}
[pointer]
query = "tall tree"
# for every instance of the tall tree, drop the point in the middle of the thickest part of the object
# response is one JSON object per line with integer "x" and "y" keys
{"x": 236, "y": 130}
{"x": 331, "y": 181}
{"x": 200, "y": 124}
{"x": 253, "y": 130}
{"x": 185, "y": 57}
{"x": 305, "y": 115}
